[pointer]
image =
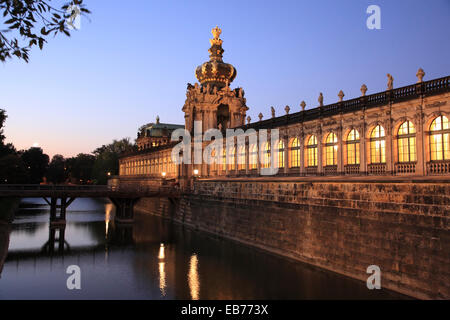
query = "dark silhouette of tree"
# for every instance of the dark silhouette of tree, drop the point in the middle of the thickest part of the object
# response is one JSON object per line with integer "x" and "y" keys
{"x": 25, "y": 17}
{"x": 107, "y": 159}
{"x": 80, "y": 168}
{"x": 56, "y": 172}
{"x": 12, "y": 168}
{"x": 36, "y": 163}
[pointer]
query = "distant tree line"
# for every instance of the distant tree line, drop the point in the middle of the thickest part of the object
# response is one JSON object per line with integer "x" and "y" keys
{"x": 34, "y": 166}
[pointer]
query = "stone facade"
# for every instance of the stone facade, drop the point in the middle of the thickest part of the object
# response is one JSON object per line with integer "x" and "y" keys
{"x": 400, "y": 131}
{"x": 400, "y": 225}
{"x": 360, "y": 182}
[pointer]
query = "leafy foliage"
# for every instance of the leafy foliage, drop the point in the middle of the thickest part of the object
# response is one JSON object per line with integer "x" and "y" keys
{"x": 12, "y": 170}
{"x": 25, "y": 17}
{"x": 36, "y": 163}
{"x": 56, "y": 172}
{"x": 107, "y": 159}
{"x": 32, "y": 165}
{"x": 80, "y": 168}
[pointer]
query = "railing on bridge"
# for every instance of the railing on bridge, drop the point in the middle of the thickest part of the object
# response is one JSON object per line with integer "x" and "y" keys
{"x": 103, "y": 189}
{"x": 50, "y": 187}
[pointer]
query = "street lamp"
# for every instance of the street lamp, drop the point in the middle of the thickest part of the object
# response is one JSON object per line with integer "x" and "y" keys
{"x": 163, "y": 174}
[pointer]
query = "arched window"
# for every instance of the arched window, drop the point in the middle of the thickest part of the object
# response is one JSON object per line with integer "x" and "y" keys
{"x": 331, "y": 149}
{"x": 266, "y": 155}
{"x": 294, "y": 153}
{"x": 352, "y": 143}
{"x": 311, "y": 151}
{"x": 232, "y": 159}
{"x": 407, "y": 142}
{"x": 253, "y": 157}
{"x": 440, "y": 139}
{"x": 213, "y": 160}
{"x": 377, "y": 145}
{"x": 224, "y": 159}
{"x": 241, "y": 158}
{"x": 280, "y": 157}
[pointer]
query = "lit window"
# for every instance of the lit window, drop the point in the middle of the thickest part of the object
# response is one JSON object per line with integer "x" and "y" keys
{"x": 253, "y": 157}
{"x": 294, "y": 153}
{"x": 440, "y": 139}
{"x": 224, "y": 159}
{"x": 353, "y": 147}
{"x": 232, "y": 159}
{"x": 311, "y": 152}
{"x": 407, "y": 142}
{"x": 280, "y": 154}
{"x": 377, "y": 145}
{"x": 266, "y": 155}
{"x": 331, "y": 148}
{"x": 241, "y": 158}
{"x": 213, "y": 160}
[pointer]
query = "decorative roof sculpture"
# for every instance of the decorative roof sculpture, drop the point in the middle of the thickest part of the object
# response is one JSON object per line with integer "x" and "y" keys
{"x": 215, "y": 72}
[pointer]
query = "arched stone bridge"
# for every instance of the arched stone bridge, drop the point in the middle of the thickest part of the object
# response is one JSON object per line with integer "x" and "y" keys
{"x": 61, "y": 196}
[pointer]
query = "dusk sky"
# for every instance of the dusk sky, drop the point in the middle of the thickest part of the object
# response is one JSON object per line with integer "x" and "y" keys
{"x": 133, "y": 59}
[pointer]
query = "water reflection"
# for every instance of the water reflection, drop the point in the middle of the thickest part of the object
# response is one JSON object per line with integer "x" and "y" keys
{"x": 108, "y": 210}
{"x": 151, "y": 259}
{"x": 4, "y": 242}
{"x": 162, "y": 271}
{"x": 56, "y": 240}
{"x": 194, "y": 282}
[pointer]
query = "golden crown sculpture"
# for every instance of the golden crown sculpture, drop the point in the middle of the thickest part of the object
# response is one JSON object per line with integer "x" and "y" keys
{"x": 216, "y": 32}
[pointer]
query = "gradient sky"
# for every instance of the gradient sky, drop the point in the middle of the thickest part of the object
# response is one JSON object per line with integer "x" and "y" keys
{"x": 132, "y": 62}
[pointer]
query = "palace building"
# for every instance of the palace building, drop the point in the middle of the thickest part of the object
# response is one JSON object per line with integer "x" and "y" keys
{"x": 401, "y": 131}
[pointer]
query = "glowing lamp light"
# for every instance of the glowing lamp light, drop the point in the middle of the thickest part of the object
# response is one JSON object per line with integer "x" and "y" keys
{"x": 161, "y": 255}
{"x": 196, "y": 171}
{"x": 163, "y": 174}
{"x": 109, "y": 173}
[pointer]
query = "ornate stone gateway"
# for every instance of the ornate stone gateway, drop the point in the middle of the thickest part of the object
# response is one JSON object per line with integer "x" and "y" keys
{"x": 213, "y": 101}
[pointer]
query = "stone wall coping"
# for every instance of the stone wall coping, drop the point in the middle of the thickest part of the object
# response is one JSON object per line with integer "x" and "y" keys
{"x": 366, "y": 179}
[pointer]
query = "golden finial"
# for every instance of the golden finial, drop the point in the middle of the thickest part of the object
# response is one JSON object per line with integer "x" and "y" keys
{"x": 216, "y": 34}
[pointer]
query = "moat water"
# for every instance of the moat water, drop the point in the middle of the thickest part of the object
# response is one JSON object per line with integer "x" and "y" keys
{"x": 151, "y": 259}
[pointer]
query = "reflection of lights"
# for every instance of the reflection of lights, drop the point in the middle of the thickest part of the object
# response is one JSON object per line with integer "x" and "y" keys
{"x": 194, "y": 282}
{"x": 162, "y": 278}
{"x": 108, "y": 209}
{"x": 161, "y": 252}
{"x": 162, "y": 271}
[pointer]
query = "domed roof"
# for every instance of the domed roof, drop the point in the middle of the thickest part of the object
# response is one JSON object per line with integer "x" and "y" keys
{"x": 215, "y": 71}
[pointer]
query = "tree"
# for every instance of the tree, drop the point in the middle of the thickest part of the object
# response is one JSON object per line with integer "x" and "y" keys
{"x": 5, "y": 149}
{"x": 3, "y": 117}
{"x": 56, "y": 172}
{"x": 107, "y": 159}
{"x": 25, "y": 17}
{"x": 36, "y": 163}
{"x": 80, "y": 168}
{"x": 12, "y": 170}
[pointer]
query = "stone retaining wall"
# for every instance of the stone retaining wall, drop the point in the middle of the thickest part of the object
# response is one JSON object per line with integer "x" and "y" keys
{"x": 403, "y": 227}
